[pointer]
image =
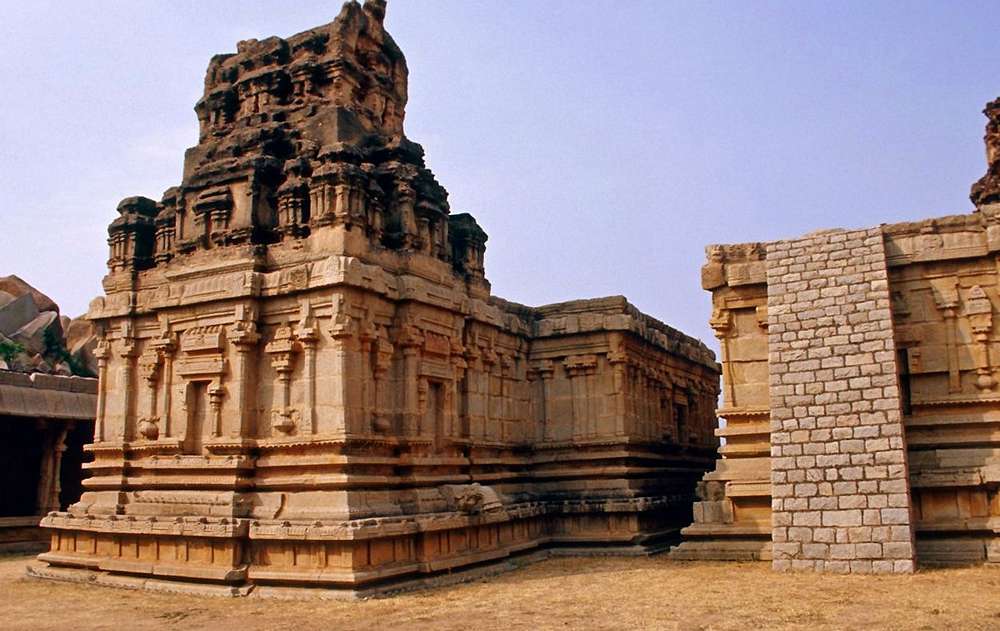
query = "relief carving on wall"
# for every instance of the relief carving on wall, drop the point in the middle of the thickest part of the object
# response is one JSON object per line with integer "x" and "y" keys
{"x": 946, "y": 299}
{"x": 203, "y": 361}
{"x": 283, "y": 348}
{"x": 979, "y": 311}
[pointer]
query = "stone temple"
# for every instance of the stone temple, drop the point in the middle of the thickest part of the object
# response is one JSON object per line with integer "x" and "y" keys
{"x": 861, "y": 395}
{"x": 305, "y": 380}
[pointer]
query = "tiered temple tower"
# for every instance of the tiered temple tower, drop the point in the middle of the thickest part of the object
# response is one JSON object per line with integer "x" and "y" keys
{"x": 304, "y": 379}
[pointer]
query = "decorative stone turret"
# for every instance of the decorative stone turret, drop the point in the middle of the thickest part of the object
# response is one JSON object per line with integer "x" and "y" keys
{"x": 131, "y": 236}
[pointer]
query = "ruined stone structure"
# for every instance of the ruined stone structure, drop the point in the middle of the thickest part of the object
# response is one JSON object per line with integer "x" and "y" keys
{"x": 304, "y": 379}
{"x": 861, "y": 396}
{"x": 44, "y": 422}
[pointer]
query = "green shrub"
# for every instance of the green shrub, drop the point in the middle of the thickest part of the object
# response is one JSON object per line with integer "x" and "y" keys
{"x": 10, "y": 349}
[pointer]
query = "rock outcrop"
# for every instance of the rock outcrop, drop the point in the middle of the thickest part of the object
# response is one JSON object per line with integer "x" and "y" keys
{"x": 33, "y": 334}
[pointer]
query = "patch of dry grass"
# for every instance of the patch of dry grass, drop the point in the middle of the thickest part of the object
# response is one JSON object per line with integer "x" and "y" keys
{"x": 561, "y": 593}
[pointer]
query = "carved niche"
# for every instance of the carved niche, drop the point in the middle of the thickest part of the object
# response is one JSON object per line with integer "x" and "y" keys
{"x": 203, "y": 366}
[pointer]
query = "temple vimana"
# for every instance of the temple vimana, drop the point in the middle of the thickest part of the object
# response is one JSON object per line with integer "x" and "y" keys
{"x": 304, "y": 380}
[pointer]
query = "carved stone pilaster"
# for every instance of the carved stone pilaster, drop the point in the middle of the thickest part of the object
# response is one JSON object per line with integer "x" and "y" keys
{"x": 722, "y": 325}
{"x": 979, "y": 310}
{"x": 488, "y": 360}
{"x": 165, "y": 346}
{"x": 149, "y": 371}
{"x": 102, "y": 352}
{"x": 283, "y": 348}
{"x": 128, "y": 350}
{"x": 367, "y": 334}
{"x": 383, "y": 353}
{"x": 308, "y": 335}
{"x": 580, "y": 370}
{"x": 406, "y": 197}
{"x": 618, "y": 359}
{"x": 457, "y": 397}
{"x": 543, "y": 370}
{"x": 49, "y": 486}
{"x": 410, "y": 339}
{"x": 946, "y": 299}
{"x": 244, "y": 337}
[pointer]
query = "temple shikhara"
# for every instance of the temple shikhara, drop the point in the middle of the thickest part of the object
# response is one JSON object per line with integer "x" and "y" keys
{"x": 305, "y": 380}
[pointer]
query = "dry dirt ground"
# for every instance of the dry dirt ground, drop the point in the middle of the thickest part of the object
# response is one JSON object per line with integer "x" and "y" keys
{"x": 561, "y": 593}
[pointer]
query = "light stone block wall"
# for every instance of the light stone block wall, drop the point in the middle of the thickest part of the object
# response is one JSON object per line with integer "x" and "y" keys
{"x": 841, "y": 502}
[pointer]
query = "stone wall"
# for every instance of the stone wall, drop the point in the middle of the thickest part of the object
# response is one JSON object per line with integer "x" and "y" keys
{"x": 838, "y": 470}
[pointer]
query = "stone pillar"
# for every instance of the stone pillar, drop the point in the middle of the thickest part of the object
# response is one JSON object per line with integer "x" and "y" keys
{"x": 475, "y": 400}
{"x": 380, "y": 421}
{"x": 841, "y": 500}
{"x": 542, "y": 371}
{"x": 722, "y": 325}
{"x": 618, "y": 360}
{"x": 406, "y": 198}
{"x": 49, "y": 486}
{"x": 946, "y": 299}
{"x": 489, "y": 360}
{"x": 457, "y": 406}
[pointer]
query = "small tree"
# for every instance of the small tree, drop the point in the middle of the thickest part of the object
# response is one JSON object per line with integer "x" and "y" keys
{"x": 10, "y": 349}
{"x": 55, "y": 348}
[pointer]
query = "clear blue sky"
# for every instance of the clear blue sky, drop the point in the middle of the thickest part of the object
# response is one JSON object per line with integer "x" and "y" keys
{"x": 601, "y": 144}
